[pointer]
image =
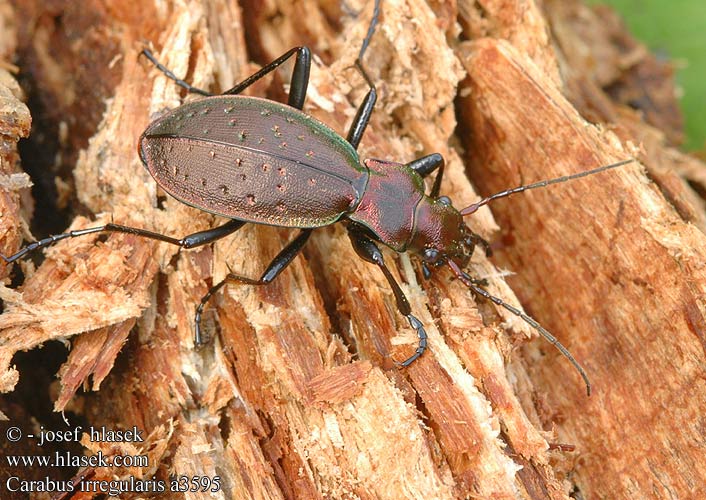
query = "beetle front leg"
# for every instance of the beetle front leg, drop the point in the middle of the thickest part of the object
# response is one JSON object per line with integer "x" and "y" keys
{"x": 369, "y": 251}
{"x": 278, "y": 264}
{"x": 478, "y": 240}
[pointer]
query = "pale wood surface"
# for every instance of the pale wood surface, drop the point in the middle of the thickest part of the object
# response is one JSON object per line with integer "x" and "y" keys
{"x": 299, "y": 396}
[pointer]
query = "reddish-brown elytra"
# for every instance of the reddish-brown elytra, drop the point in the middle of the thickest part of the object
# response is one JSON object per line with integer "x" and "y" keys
{"x": 259, "y": 161}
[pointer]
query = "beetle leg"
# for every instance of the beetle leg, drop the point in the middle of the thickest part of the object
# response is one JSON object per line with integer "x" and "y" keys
{"x": 479, "y": 240}
{"x": 210, "y": 235}
{"x": 300, "y": 76}
{"x": 168, "y": 73}
{"x": 362, "y": 117}
{"x": 369, "y": 251}
{"x": 190, "y": 241}
{"x": 278, "y": 264}
{"x": 425, "y": 271}
{"x": 426, "y": 165}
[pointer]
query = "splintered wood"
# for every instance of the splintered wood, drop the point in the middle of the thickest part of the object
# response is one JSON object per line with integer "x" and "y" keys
{"x": 298, "y": 394}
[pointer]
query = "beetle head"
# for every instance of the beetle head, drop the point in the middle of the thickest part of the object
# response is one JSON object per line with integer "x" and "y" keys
{"x": 440, "y": 234}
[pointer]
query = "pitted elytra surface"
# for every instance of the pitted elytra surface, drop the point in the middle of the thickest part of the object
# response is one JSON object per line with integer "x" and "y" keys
{"x": 288, "y": 169}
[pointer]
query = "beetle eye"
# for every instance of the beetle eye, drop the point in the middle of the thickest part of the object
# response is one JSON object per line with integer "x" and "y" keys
{"x": 431, "y": 255}
{"x": 444, "y": 200}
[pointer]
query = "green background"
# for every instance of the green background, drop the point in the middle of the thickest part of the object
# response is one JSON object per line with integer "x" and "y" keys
{"x": 675, "y": 29}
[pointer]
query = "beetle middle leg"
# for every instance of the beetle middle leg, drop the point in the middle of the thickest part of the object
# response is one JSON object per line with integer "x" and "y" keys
{"x": 369, "y": 251}
{"x": 278, "y": 264}
{"x": 426, "y": 165}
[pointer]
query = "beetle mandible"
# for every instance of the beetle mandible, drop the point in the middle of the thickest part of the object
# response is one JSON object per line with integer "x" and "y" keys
{"x": 254, "y": 160}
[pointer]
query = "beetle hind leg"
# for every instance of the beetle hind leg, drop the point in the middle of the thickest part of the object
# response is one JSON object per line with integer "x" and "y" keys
{"x": 300, "y": 76}
{"x": 189, "y": 241}
{"x": 369, "y": 251}
{"x": 169, "y": 74}
{"x": 362, "y": 116}
{"x": 278, "y": 264}
{"x": 299, "y": 84}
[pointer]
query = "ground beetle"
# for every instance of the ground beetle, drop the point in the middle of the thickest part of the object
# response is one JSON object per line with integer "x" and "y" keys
{"x": 255, "y": 160}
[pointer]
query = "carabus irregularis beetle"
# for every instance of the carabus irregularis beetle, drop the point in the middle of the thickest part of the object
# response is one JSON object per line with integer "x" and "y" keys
{"x": 254, "y": 160}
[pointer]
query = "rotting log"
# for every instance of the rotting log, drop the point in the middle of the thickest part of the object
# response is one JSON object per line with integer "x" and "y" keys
{"x": 298, "y": 395}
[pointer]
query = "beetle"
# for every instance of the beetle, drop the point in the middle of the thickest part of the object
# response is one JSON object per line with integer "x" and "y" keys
{"x": 253, "y": 160}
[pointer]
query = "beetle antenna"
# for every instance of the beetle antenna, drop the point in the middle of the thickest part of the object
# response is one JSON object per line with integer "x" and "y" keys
{"x": 470, "y": 283}
{"x": 472, "y": 208}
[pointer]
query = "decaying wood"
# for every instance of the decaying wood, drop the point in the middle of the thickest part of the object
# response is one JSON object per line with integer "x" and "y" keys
{"x": 15, "y": 122}
{"x": 298, "y": 395}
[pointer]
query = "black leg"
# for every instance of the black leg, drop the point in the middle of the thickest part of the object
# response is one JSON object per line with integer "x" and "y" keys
{"x": 168, "y": 73}
{"x": 472, "y": 285}
{"x": 369, "y": 251}
{"x": 362, "y": 117}
{"x": 426, "y": 165}
{"x": 190, "y": 241}
{"x": 210, "y": 235}
{"x": 278, "y": 264}
{"x": 300, "y": 76}
{"x": 480, "y": 241}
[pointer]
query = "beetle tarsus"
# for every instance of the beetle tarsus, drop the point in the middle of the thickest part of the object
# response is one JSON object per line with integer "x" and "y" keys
{"x": 371, "y": 30}
{"x": 169, "y": 74}
{"x": 422, "y": 334}
{"x": 278, "y": 264}
{"x": 368, "y": 250}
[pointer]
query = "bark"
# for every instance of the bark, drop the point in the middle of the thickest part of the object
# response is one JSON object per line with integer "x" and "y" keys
{"x": 298, "y": 395}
